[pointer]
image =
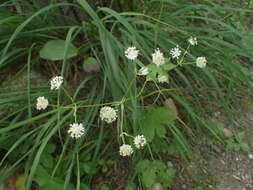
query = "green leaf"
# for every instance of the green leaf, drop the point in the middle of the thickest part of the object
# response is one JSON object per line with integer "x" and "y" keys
{"x": 142, "y": 165}
{"x": 54, "y": 50}
{"x": 244, "y": 146}
{"x": 50, "y": 148}
{"x": 167, "y": 176}
{"x": 91, "y": 65}
{"x": 47, "y": 160}
{"x": 104, "y": 187}
{"x": 168, "y": 66}
{"x": 240, "y": 136}
{"x": 154, "y": 122}
{"x": 149, "y": 177}
{"x": 46, "y": 182}
{"x": 153, "y": 71}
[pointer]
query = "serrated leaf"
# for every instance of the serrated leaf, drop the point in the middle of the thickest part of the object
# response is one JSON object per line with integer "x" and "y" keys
{"x": 142, "y": 165}
{"x": 154, "y": 122}
{"x": 167, "y": 176}
{"x": 54, "y": 50}
{"x": 148, "y": 177}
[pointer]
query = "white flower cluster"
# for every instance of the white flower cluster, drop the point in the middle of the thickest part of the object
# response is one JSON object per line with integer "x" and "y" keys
{"x": 42, "y": 103}
{"x": 143, "y": 71}
{"x": 175, "y": 52}
{"x": 125, "y": 150}
{"x": 193, "y": 41}
{"x": 140, "y": 141}
{"x": 201, "y": 62}
{"x": 132, "y": 53}
{"x": 158, "y": 58}
{"x": 76, "y": 130}
{"x": 108, "y": 114}
{"x": 56, "y": 82}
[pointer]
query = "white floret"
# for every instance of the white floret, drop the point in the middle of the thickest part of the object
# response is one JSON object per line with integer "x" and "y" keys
{"x": 108, "y": 114}
{"x": 125, "y": 150}
{"x": 76, "y": 130}
{"x": 42, "y": 103}
{"x": 56, "y": 82}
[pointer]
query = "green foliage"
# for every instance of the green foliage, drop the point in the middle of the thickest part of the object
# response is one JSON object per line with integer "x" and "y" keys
{"x": 237, "y": 143}
{"x": 54, "y": 50}
{"x": 155, "y": 121}
{"x": 91, "y": 65}
{"x": 155, "y": 71}
{"x": 37, "y": 144}
{"x": 155, "y": 171}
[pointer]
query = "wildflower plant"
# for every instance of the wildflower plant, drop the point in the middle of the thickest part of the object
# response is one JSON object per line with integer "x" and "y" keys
{"x": 118, "y": 110}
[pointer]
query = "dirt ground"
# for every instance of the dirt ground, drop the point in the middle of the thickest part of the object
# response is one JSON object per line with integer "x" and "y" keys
{"x": 221, "y": 169}
{"x": 234, "y": 170}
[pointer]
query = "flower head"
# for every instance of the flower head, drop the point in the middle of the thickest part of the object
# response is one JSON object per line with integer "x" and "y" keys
{"x": 131, "y": 53}
{"x": 175, "y": 52}
{"x": 201, "y": 62}
{"x": 140, "y": 141}
{"x": 125, "y": 150}
{"x": 158, "y": 58}
{"x": 42, "y": 103}
{"x": 56, "y": 82}
{"x": 193, "y": 41}
{"x": 143, "y": 71}
{"x": 76, "y": 130}
{"x": 162, "y": 78}
{"x": 108, "y": 114}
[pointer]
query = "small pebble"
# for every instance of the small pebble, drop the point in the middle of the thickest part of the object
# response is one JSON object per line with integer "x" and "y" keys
{"x": 157, "y": 186}
{"x": 184, "y": 186}
{"x": 170, "y": 164}
{"x": 227, "y": 132}
{"x": 251, "y": 156}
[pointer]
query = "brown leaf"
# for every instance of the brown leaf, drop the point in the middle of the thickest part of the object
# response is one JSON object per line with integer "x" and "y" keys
{"x": 170, "y": 104}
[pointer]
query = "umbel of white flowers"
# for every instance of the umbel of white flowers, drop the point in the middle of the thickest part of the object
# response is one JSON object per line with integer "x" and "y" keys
{"x": 201, "y": 62}
{"x": 158, "y": 58}
{"x": 175, "y": 52}
{"x": 56, "y": 82}
{"x": 140, "y": 141}
{"x": 108, "y": 114}
{"x": 193, "y": 41}
{"x": 76, "y": 130}
{"x": 131, "y": 53}
{"x": 143, "y": 71}
{"x": 42, "y": 103}
{"x": 125, "y": 150}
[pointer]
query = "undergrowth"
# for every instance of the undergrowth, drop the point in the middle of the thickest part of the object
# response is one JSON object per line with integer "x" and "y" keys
{"x": 167, "y": 103}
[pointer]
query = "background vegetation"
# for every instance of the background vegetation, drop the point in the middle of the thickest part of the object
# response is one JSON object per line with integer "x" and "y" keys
{"x": 174, "y": 117}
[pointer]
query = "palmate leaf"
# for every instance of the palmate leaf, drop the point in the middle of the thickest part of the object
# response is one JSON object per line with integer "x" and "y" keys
{"x": 154, "y": 122}
{"x": 54, "y": 50}
{"x": 155, "y": 171}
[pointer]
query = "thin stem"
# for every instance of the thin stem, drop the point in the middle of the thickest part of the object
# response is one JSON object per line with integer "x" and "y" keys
{"x": 122, "y": 121}
{"x": 78, "y": 172}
